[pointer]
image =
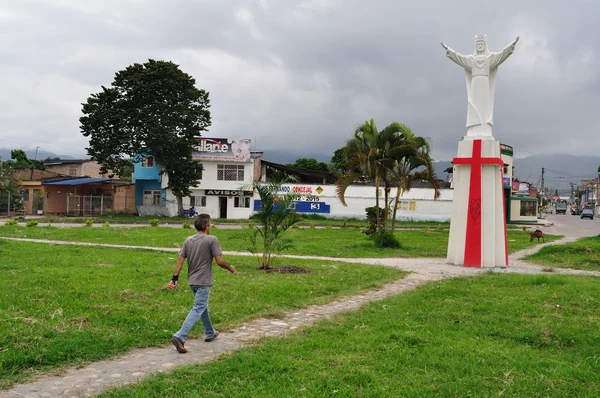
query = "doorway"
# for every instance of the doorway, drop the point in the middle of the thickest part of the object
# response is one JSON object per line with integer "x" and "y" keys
{"x": 222, "y": 206}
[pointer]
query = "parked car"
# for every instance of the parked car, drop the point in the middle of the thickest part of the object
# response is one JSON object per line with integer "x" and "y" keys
{"x": 587, "y": 213}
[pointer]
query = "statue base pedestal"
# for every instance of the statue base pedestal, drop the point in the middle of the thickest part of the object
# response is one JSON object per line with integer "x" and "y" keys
{"x": 478, "y": 224}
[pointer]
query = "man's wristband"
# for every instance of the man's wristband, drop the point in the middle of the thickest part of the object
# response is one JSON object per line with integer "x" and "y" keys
{"x": 175, "y": 278}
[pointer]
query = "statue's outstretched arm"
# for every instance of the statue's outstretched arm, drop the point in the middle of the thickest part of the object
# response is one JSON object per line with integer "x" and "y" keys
{"x": 458, "y": 58}
{"x": 498, "y": 58}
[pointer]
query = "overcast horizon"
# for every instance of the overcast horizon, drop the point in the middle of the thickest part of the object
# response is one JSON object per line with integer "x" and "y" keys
{"x": 300, "y": 76}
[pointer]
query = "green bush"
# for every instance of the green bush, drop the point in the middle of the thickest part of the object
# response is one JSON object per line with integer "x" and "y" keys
{"x": 186, "y": 225}
{"x": 31, "y": 223}
{"x": 385, "y": 239}
{"x": 251, "y": 224}
{"x": 372, "y": 226}
{"x": 311, "y": 225}
{"x": 154, "y": 222}
{"x": 106, "y": 224}
{"x": 89, "y": 222}
{"x": 11, "y": 222}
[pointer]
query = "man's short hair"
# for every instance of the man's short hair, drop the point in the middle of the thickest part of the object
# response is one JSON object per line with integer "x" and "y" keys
{"x": 201, "y": 222}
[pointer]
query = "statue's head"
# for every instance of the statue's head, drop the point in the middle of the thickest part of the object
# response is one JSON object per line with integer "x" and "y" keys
{"x": 480, "y": 44}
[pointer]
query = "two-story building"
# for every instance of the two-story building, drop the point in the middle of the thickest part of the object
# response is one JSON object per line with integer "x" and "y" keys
{"x": 223, "y": 191}
{"x": 75, "y": 168}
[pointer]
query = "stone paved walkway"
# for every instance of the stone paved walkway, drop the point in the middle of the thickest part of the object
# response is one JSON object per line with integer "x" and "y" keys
{"x": 139, "y": 363}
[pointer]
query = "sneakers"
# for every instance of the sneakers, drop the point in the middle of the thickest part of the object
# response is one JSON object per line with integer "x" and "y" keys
{"x": 212, "y": 338}
{"x": 179, "y": 345}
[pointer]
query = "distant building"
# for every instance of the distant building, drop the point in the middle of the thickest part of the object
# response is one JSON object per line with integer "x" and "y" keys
{"x": 76, "y": 168}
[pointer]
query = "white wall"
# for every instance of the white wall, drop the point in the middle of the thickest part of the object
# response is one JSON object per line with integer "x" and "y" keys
{"x": 424, "y": 207}
{"x": 209, "y": 182}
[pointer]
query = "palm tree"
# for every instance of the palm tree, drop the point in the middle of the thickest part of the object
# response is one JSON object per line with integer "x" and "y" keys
{"x": 274, "y": 218}
{"x": 394, "y": 155}
{"x": 413, "y": 162}
{"x": 362, "y": 155}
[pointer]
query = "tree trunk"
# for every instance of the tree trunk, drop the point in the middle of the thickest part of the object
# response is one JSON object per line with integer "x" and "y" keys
{"x": 387, "y": 206}
{"x": 398, "y": 191}
{"x": 377, "y": 215}
{"x": 179, "y": 206}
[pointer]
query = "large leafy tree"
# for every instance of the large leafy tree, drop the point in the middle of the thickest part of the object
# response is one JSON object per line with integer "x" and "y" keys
{"x": 151, "y": 109}
{"x": 20, "y": 161}
{"x": 391, "y": 157}
{"x": 310, "y": 164}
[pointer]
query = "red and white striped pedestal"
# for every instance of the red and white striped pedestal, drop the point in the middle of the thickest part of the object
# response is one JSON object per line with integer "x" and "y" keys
{"x": 478, "y": 224}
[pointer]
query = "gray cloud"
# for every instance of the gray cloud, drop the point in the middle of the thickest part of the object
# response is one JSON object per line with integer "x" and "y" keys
{"x": 299, "y": 76}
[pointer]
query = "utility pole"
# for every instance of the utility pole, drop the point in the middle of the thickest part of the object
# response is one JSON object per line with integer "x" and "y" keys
{"x": 542, "y": 182}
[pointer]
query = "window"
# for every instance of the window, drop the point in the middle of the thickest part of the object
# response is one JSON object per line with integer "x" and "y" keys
{"x": 198, "y": 200}
{"x": 25, "y": 194}
{"x": 528, "y": 208}
{"x": 72, "y": 170}
{"x": 148, "y": 162}
{"x": 151, "y": 198}
{"x": 230, "y": 172}
{"x": 241, "y": 201}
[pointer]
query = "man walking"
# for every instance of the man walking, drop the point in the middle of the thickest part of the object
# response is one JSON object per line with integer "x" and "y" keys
{"x": 199, "y": 250}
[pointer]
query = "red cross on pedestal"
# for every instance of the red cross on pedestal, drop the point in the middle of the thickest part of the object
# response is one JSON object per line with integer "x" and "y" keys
{"x": 473, "y": 233}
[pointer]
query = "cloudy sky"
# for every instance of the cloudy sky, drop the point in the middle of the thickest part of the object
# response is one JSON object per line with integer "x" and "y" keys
{"x": 299, "y": 75}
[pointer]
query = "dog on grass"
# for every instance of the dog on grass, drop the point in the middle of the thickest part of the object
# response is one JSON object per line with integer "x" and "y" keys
{"x": 537, "y": 234}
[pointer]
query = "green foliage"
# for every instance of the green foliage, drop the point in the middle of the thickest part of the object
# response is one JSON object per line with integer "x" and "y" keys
{"x": 106, "y": 224}
{"x": 151, "y": 109}
{"x": 311, "y": 164}
{"x": 372, "y": 219}
{"x": 385, "y": 239}
{"x": 186, "y": 225}
{"x": 10, "y": 189}
{"x": 392, "y": 157}
{"x": 31, "y": 223}
{"x": 154, "y": 222}
{"x": 89, "y": 222}
{"x": 11, "y": 222}
{"x": 339, "y": 162}
{"x": 274, "y": 218}
{"x": 20, "y": 161}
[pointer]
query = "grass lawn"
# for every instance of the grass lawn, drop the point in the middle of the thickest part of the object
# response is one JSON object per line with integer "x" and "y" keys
{"x": 489, "y": 336}
{"x": 344, "y": 243}
{"x": 67, "y": 305}
{"x": 123, "y": 218}
{"x": 583, "y": 254}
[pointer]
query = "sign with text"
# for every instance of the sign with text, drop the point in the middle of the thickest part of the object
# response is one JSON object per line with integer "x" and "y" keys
{"x": 222, "y": 149}
{"x": 302, "y": 207}
{"x": 507, "y": 182}
{"x": 410, "y": 205}
{"x": 227, "y": 192}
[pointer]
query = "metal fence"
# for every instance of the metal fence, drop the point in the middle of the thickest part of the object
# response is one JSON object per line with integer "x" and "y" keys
{"x": 10, "y": 205}
{"x": 88, "y": 205}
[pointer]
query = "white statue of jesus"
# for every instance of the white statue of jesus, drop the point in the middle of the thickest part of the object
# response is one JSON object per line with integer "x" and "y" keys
{"x": 480, "y": 68}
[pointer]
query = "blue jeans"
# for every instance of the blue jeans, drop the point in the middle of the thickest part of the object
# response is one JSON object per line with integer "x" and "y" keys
{"x": 198, "y": 311}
